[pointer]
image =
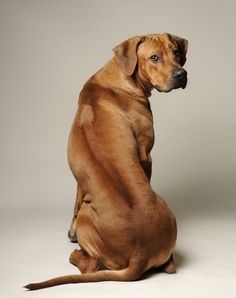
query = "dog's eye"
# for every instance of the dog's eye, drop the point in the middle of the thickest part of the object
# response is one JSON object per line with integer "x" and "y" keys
{"x": 155, "y": 58}
{"x": 176, "y": 52}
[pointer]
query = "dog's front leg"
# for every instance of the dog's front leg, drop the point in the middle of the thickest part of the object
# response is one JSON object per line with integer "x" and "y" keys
{"x": 78, "y": 203}
{"x": 145, "y": 160}
{"x": 147, "y": 166}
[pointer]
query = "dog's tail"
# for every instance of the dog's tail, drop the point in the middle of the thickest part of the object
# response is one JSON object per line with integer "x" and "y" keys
{"x": 131, "y": 273}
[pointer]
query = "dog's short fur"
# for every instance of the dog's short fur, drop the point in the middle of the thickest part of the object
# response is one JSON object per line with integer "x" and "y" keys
{"x": 120, "y": 223}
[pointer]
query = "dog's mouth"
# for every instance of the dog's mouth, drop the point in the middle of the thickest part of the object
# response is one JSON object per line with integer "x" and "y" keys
{"x": 180, "y": 84}
{"x": 175, "y": 84}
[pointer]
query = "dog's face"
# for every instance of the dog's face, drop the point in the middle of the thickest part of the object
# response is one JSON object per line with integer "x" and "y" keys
{"x": 160, "y": 61}
{"x": 157, "y": 60}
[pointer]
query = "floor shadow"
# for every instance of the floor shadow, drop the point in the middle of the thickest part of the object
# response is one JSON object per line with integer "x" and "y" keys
{"x": 180, "y": 260}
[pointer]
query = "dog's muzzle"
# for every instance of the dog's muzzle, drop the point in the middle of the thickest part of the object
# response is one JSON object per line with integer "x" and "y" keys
{"x": 180, "y": 78}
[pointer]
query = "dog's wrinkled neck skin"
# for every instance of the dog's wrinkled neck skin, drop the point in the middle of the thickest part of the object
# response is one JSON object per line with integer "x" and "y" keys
{"x": 142, "y": 84}
{"x": 117, "y": 80}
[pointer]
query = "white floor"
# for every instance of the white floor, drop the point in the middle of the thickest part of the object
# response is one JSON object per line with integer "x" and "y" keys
{"x": 34, "y": 246}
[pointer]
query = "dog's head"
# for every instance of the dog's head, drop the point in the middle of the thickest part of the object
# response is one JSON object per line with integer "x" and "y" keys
{"x": 155, "y": 60}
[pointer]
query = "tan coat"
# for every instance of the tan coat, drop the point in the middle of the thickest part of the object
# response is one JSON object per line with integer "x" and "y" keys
{"x": 120, "y": 223}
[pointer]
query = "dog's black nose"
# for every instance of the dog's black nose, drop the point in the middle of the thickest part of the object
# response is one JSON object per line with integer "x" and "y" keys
{"x": 180, "y": 74}
{"x": 180, "y": 78}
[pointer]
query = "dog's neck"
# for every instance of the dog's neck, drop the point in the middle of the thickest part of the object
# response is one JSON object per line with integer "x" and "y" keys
{"x": 115, "y": 79}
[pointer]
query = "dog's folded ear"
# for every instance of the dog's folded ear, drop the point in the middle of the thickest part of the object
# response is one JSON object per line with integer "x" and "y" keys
{"x": 183, "y": 47}
{"x": 126, "y": 54}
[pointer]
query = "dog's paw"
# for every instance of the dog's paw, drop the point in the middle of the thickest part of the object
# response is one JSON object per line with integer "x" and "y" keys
{"x": 74, "y": 256}
{"x": 72, "y": 237}
{"x": 170, "y": 269}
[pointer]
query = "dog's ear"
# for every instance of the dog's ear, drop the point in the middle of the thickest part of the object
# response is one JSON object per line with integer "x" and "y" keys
{"x": 126, "y": 54}
{"x": 183, "y": 47}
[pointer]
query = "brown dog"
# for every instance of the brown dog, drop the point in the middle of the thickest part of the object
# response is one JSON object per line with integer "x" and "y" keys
{"x": 121, "y": 225}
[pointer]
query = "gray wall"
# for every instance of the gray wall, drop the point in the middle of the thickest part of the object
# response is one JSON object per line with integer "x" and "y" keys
{"x": 48, "y": 50}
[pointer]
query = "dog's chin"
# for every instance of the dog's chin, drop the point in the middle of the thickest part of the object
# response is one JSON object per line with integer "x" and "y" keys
{"x": 162, "y": 89}
{"x": 172, "y": 87}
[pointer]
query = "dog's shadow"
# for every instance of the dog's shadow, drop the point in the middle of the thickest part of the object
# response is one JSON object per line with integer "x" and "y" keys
{"x": 179, "y": 258}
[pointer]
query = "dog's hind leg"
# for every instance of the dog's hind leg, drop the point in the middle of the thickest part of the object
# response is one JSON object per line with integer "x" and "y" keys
{"x": 83, "y": 261}
{"x": 78, "y": 202}
{"x": 169, "y": 266}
